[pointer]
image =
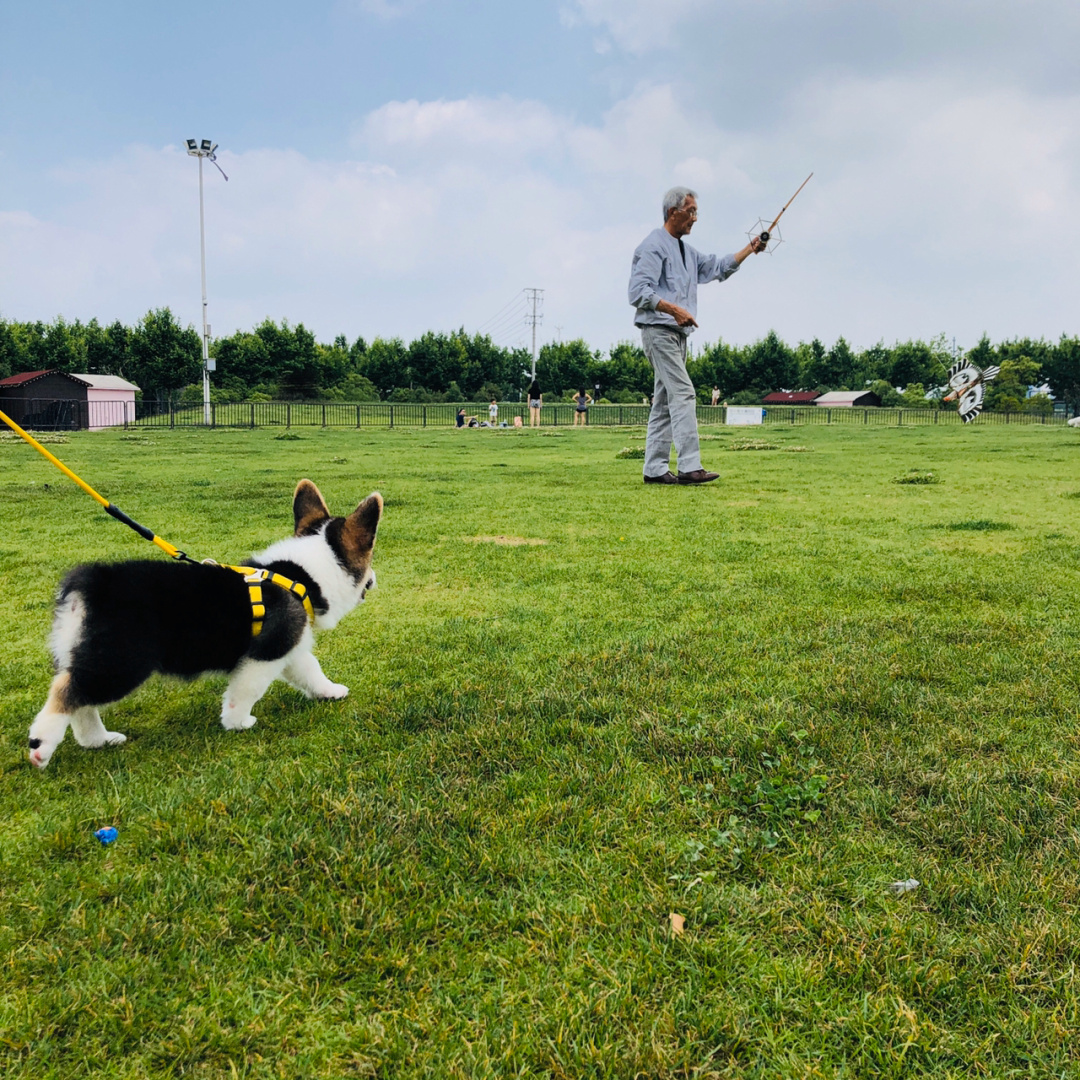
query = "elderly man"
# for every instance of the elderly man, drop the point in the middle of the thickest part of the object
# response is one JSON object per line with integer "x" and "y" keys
{"x": 663, "y": 288}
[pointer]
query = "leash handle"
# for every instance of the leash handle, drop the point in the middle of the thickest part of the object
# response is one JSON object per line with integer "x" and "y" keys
{"x": 113, "y": 511}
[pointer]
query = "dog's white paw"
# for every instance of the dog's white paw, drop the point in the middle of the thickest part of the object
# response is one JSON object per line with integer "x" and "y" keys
{"x": 332, "y": 691}
{"x": 105, "y": 738}
{"x": 40, "y": 755}
{"x": 238, "y": 723}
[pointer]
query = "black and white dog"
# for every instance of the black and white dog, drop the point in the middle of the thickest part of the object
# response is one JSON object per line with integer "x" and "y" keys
{"x": 116, "y": 624}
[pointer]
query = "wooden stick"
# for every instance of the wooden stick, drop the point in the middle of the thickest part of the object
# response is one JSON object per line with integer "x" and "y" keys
{"x": 765, "y": 234}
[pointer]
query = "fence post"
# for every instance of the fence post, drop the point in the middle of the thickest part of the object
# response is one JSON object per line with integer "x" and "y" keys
{"x": 288, "y": 414}
{"x": 253, "y": 416}
{"x": 172, "y": 415}
{"x": 213, "y": 414}
{"x": 793, "y": 416}
{"x": 391, "y": 415}
{"x": 620, "y": 416}
{"x": 828, "y": 416}
{"x": 357, "y": 415}
{"x": 865, "y": 416}
{"x": 899, "y": 417}
{"x": 423, "y": 416}
{"x": 936, "y": 411}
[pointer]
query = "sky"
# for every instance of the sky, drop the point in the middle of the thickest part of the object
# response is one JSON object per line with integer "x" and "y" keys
{"x": 398, "y": 166}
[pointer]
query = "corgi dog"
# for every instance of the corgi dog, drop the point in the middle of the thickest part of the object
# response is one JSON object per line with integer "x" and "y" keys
{"x": 118, "y": 623}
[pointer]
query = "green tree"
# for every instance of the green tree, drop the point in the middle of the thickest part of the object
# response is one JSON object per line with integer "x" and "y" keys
{"x": 625, "y": 374}
{"x": 919, "y": 362}
{"x": 813, "y": 370}
{"x": 872, "y": 364}
{"x": 1061, "y": 369}
{"x": 719, "y": 365}
{"x": 1009, "y": 390}
{"x": 107, "y": 349}
{"x": 384, "y": 364}
{"x": 11, "y": 356}
{"x": 770, "y": 365}
{"x": 163, "y": 355}
{"x": 564, "y": 365}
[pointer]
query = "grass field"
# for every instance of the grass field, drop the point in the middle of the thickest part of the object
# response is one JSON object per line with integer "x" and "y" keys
{"x": 578, "y": 705}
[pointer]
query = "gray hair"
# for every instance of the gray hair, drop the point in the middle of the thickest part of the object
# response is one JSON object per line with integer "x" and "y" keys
{"x": 674, "y": 199}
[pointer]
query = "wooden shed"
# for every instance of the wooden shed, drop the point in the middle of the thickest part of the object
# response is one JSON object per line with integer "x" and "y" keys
{"x": 56, "y": 399}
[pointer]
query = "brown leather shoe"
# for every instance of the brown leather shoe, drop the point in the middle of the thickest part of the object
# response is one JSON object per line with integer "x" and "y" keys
{"x": 698, "y": 476}
{"x": 663, "y": 478}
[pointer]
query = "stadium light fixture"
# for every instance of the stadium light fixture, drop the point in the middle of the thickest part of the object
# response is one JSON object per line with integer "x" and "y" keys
{"x": 204, "y": 149}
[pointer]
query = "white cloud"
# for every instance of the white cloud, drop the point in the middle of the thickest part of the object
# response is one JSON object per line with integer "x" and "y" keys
{"x": 933, "y": 208}
{"x": 636, "y": 25}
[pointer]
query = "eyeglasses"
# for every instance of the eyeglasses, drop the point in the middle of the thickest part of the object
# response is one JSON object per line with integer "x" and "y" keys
{"x": 690, "y": 210}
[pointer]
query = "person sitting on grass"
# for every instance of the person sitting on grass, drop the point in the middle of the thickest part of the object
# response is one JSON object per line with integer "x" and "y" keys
{"x": 466, "y": 421}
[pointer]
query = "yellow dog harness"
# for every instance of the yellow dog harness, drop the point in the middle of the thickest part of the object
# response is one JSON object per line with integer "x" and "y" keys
{"x": 255, "y": 577}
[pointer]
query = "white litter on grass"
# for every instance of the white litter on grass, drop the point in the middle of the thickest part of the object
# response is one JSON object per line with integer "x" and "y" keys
{"x": 901, "y": 887}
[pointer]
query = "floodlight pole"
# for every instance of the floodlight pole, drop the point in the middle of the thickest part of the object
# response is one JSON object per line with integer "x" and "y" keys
{"x": 205, "y": 330}
{"x": 204, "y": 149}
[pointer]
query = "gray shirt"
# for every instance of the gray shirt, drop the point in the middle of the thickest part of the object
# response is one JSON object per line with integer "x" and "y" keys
{"x": 661, "y": 271}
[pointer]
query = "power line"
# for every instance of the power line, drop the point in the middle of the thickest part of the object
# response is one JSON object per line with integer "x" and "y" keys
{"x": 517, "y": 302}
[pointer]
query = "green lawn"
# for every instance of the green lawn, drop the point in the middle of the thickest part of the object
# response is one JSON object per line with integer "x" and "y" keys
{"x": 753, "y": 704}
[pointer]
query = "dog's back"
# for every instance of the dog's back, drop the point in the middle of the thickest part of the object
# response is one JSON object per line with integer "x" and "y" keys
{"x": 118, "y": 623}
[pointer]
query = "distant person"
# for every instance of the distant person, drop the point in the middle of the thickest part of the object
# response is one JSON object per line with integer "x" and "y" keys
{"x": 461, "y": 418}
{"x": 664, "y": 277}
{"x": 715, "y": 395}
{"x": 536, "y": 403}
{"x": 582, "y": 401}
{"x": 493, "y": 412}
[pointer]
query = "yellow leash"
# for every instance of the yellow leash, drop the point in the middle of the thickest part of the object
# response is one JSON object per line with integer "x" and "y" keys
{"x": 113, "y": 511}
{"x": 252, "y": 575}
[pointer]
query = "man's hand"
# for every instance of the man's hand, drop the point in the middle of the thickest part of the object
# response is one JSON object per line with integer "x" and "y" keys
{"x": 755, "y": 247}
{"x": 681, "y": 316}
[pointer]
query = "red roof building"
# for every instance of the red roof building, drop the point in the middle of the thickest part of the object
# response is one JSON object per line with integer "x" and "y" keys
{"x": 790, "y": 397}
{"x": 54, "y": 399}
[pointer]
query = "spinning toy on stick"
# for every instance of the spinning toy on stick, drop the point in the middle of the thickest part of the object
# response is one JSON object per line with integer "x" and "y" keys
{"x": 769, "y": 234}
{"x": 968, "y": 383}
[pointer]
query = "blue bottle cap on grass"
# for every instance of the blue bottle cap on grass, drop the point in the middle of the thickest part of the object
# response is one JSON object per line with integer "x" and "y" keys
{"x": 106, "y": 835}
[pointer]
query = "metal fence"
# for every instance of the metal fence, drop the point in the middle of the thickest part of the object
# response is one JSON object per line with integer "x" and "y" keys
{"x": 54, "y": 415}
{"x": 819, "y": 414}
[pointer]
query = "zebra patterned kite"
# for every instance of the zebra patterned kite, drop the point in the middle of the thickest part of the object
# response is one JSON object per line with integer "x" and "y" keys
{"x": 968, "y": 383}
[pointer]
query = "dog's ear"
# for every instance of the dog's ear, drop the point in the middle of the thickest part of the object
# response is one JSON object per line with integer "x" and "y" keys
{"x": 309, "y": 508}
{"x": 362, "y": 523}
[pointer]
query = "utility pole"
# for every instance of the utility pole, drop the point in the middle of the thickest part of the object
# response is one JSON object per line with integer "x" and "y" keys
{"x": 536, "y": 298}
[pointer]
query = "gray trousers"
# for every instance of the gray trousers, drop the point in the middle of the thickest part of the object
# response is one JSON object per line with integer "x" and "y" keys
{"x": 673, "y": 417}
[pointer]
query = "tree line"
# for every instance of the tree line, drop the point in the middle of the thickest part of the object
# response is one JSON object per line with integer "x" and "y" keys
{"x": 282, "y": 361}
